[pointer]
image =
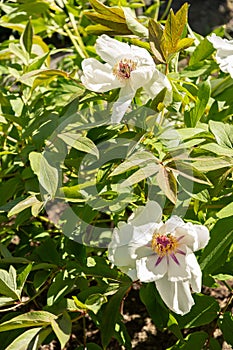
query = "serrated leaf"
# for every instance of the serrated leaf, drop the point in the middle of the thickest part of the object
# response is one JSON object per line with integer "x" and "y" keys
{"x": 167, "y": 182}
{"x": 22, "y": 341}
{"x": 62, "y": 328}
{"x": 46, "y": 173}
{"x": 80, "y": 143}
{"x": 29, "y": 319}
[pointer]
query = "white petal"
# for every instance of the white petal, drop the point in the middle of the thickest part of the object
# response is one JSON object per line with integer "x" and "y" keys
{"x": 140, "y": 76}
{"x": 220, "y": 43}
{"x": 171, "y": 225}
{"x": 196, "y": 275}
{"x": 176, "y": 295}
{"x": 157, "y": 83}
{"x": 203, "y": 236}
{"x": 142, "y": 56}
{"x": 179, "y": 272}
{"x": 98, "y": 77}
{"x": 111, "y": 50}
{"x": 147, "y": 271}
{"x": 121, "y": 105}
{"x": 151, "y": 212}
{"x": 132, "y": 273}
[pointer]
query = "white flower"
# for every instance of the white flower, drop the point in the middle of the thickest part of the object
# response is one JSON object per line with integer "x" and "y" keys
{"x": 128, "y": 68}
{"x": 224, "y": 54}
{"x": 147, "y": 249}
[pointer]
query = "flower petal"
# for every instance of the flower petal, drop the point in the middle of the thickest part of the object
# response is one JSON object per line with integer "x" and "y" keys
{"x": 220, "y": 43}
{"x": 147, "y": 271}
{"x": 98, "y": 77}
{"x": 151, "y": 212}
{"x": 120, "y": 106}
{"x": 176, "y": 295}
{"x": 196, "y": 275}
{"x": 140, "y": 76}
{"x": 158, "y": 82}
{"x": 178, "y": 271}
{"x": 142, "y": 56}
{"x": 110, "y": 50}
{"x": 203, "y": 236}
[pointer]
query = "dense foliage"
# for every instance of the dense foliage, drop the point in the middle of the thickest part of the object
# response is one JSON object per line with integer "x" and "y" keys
{"x": 69, "y": 173}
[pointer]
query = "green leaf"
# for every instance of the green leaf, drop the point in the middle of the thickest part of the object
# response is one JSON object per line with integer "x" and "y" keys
{"x": 24, "y": 204}
{"x": 46, "y": 173}
{"x": 22, "y": 341}
{"x": 155, "y": 36}
{"x": 195, "y": 114}
{"x": 89, "y": 346}
{"x": 47, "y": 251}
{"x": 26, "y": 38}
{"x": 203, "y": 312}
{"x": 225, "y": 323}
{"x": 223, "y": 133}
{"x": 173, "y": 326}
{"x": 80, "y": 143}
{"x": 146, "y": 171}
{"x": 61, "y": 285}
{"x": 29, "y": 319}
{"x": 134, "y": 26}
{"x": 202, "y": 51}
{"x": 167, "y": 182}
{"x": 95, "y": 301}
{"x": 219, "y": 150}
{"x": 22, "y": 277}
{"x": 107, "y": 324}
{"x": 216, "y": 251}
{"x": 226, "y": 211}
{"x": 8, "y": 286}
{"x": 195, "y": 341}
{"x": 154, "y": 305}
{"x": 62, "y": 328}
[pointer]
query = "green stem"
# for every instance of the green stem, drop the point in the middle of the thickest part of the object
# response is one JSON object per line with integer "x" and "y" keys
{"x": 72, "y": 38}
{"x": 164, "y": 15}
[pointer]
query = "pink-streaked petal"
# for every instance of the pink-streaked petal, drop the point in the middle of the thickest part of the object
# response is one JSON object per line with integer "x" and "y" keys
{"x": 178, "y": 269}
{"x": 174, "y": 258}
{"x": 179, "y": 251}
{"x": 159, "y": 259}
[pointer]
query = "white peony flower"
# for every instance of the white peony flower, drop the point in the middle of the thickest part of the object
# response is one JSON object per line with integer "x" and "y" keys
{"x": 224, "y": 54}
{"x": 147, "y": 249}
{"x": 128, "y": 68}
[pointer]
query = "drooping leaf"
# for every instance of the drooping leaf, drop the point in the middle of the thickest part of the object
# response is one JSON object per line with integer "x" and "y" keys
{"x": 29, "y": 319}
{"x": 24, "y": 204}
{"x": 134, "y": 25}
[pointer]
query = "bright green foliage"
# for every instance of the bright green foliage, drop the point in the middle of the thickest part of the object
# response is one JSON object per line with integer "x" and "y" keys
{"x": 58, "y": 148}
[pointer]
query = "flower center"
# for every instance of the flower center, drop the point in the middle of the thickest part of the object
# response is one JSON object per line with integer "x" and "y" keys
{"x": 164, "y": 244}
{"x": 123, "y": 68}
